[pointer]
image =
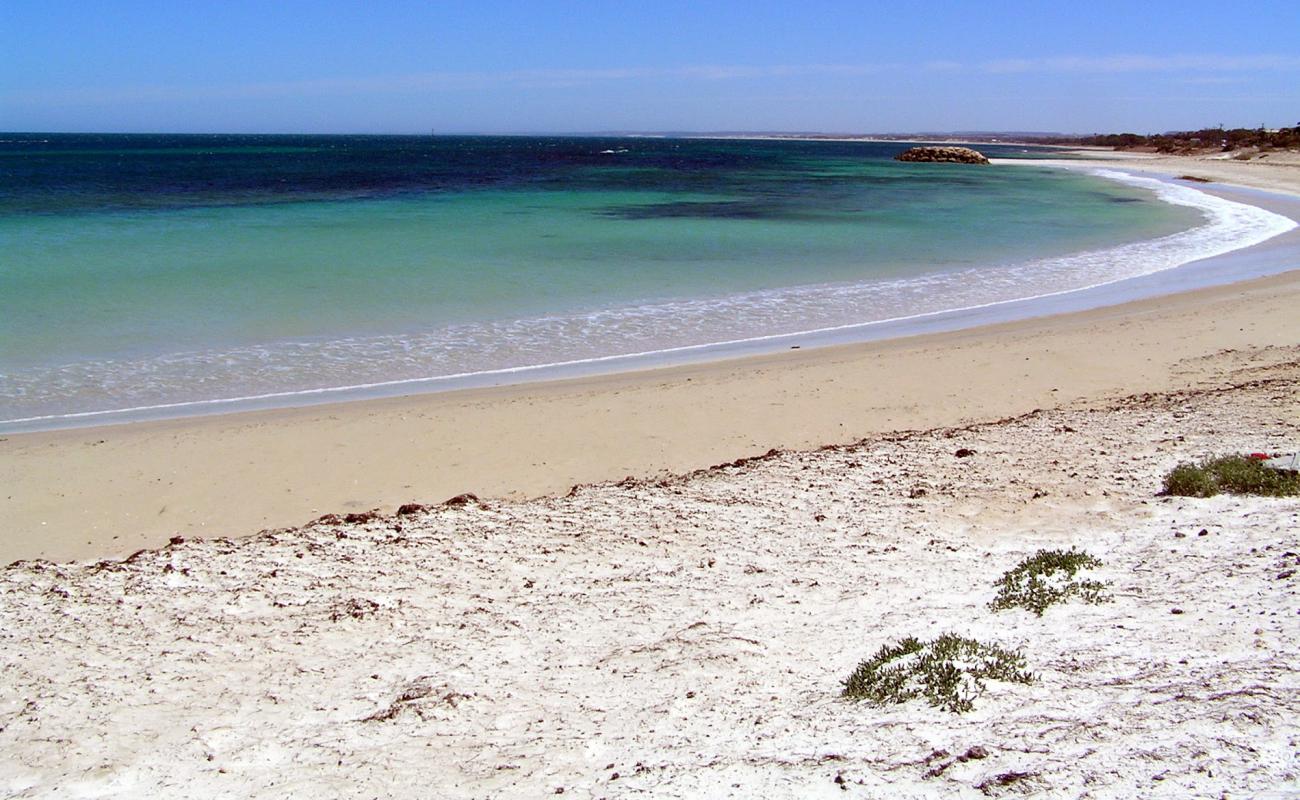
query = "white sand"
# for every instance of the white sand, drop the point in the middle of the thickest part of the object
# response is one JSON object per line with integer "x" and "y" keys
{"x": 686, "y": 638}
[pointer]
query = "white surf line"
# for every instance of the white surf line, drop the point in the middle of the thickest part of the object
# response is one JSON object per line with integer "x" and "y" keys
{"x": 1270, "y": 225}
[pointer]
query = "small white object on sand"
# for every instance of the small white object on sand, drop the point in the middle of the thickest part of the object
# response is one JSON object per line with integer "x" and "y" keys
{"x": 1289, "y": 463}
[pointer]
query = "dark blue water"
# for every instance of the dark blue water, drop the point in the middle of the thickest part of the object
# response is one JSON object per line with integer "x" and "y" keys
{"x": 67, "y": 173}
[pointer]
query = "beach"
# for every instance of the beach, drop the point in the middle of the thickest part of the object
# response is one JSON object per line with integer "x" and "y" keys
{"x": 663, "y": 576}
{"x": 687, "y": 636}
{"x": 137, "y": 485}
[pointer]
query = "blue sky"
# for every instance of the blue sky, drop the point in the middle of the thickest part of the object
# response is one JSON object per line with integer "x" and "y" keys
{"x": 547, "y": 66}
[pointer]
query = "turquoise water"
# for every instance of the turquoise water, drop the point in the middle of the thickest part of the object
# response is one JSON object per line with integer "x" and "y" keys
{"x": 141, "y": 271}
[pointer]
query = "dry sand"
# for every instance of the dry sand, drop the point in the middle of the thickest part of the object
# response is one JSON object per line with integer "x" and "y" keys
{"x": 687, "y": 638}
{"x": 111, "y": 490}
{"x": 1275, "y": 172}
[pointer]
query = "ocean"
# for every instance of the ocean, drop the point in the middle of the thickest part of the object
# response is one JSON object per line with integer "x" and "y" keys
{"x": 156, "y": 275}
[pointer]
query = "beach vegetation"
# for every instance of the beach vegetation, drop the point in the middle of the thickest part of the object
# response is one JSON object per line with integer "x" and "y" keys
{"x": 1231, "y": 474}
{"x": 1046, "y": 578}
{"x": 1221, "y": 139}
{"x": 949, "y": 672}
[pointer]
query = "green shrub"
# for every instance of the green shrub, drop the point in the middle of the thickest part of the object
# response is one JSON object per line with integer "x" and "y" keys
{"x": 1234, "y": 474}
{"x": 949, "y": 672}
{"x": 1189, "y": 480}
{"x": 1047, "y": 577}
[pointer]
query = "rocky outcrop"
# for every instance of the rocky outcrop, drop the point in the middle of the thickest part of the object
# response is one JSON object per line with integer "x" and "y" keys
{"x": 957, "y": 155}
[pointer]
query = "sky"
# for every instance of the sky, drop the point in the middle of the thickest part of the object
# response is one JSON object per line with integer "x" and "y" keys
{"x": 497, "y": 66}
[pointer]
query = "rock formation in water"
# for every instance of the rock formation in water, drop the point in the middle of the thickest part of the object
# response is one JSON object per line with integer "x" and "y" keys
{"x": 958, "y": 155}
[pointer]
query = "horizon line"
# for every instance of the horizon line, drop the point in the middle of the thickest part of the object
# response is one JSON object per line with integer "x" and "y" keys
{"x": 677, "y": 133}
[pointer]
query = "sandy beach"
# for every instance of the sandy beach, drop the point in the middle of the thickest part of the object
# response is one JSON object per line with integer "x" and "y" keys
{"x": 686, "y": 637}
{"x": 1276, "y": 172}
{"x": 743, "y": 533}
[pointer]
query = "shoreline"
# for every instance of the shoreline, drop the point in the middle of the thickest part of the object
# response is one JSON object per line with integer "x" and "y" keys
{"x": 231, "y": 474}
{"x": 1108, "y": 290}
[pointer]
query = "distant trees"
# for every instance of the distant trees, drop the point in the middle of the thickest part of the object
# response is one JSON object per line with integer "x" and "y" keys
{"x": 1220, "y": 138}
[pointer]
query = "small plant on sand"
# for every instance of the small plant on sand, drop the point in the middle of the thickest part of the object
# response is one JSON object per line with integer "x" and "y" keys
{"x": 949, "y": 672}
{"x": 1047, "y": 577}
{"x": 1233, "y": 474}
